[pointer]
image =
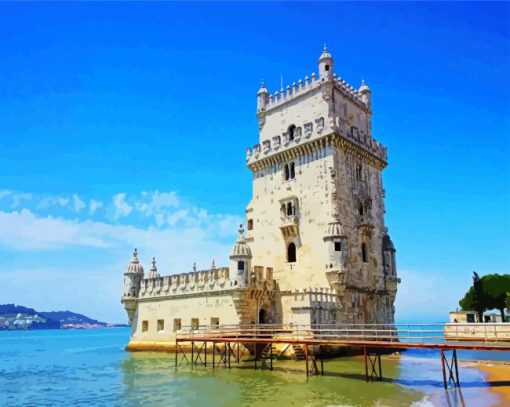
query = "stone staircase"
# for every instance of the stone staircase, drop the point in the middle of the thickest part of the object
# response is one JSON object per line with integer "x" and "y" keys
{"x": 298, "y": 351}
{"x": 266, "y": 353}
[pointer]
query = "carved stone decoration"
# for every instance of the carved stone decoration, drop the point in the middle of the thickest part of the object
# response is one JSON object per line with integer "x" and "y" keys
{"x": 256, "y": 150}
{"x": 276, "y": 142}
{"x": 320, "y": 124}
{"x": 297, "y": 134}
{"x": 285, "y": 137}
{"x": 248, "y": 154}
{"x": 308, "y": 130}
{"x": 266, "y": 146}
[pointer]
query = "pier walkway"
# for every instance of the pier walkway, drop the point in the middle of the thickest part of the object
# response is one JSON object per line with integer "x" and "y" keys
{"x": 311, "y": 343}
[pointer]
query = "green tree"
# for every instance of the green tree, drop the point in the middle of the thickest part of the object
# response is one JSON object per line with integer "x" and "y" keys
{"x": 474, "y": 298}
{"x": 489, "y": 292}
{"x": 495, "y": 289}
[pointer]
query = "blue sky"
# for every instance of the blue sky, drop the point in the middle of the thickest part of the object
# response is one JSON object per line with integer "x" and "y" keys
{"x": 126, "y": 124}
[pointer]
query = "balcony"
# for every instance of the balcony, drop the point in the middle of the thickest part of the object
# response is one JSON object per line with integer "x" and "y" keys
{"x": 289, "y": 225}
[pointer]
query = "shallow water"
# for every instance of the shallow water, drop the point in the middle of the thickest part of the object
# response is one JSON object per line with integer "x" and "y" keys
{"x": 90, "y": 367}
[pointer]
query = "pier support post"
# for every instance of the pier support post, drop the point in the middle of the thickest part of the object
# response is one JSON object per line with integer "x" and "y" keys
{"x": 214, "y": 355}
{"x": 322, "y": 360}
{"x": 453, "y": 370}
{"x": 229, "y": 353}
{"x": 375, "y": 365}
{"x": 306, "y": 358}
{"x": 366, "y": 362}
{"x": 192, "y": 354}
{"x": 176, "y": 342}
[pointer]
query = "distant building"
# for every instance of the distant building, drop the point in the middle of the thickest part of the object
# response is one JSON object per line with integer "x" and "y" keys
{"x": 316, "y": 249}
{"x": 472, "y": 317}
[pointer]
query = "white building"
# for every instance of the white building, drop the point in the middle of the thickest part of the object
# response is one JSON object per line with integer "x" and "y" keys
{"x": 316, "y": 249}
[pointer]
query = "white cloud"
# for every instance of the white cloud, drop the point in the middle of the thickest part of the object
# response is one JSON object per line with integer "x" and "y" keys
{"x": 49, "y": 201}
{"x": 94, "y": 206}
{"x": 17, "y": 199}
{"x": 78, "y": 204}
{"x": 4, "y": 193}
{"x": 159, "y": 202}
{"x": 122, "y": 208}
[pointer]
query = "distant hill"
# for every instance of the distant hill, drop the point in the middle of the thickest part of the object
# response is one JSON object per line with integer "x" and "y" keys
{"x": 18, "y": 317}
{"x": 68, "y": 317}
{"x": 16, "y": 309}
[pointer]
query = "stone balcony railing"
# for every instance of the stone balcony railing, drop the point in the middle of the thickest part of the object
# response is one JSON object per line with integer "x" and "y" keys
{"x": 187, "y": 283}
{"x": 289, "y": 225}
{"x": 289, "y": 220}
{"x": 365, "y": 220}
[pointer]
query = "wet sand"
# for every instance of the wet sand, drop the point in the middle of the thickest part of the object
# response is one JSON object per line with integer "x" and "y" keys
{"x": 498, "y": 378}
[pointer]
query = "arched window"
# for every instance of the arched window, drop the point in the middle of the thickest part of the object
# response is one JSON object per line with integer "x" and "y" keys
{"x": 292, "y": 171}
{"x": 290, "y": 210}
{"x": 287, "y": 173}
{"x": 291, "y": 130}
{"x": 240, "y": 265}
{"x": 291, "y": 253}
{"x": 364, "y": 252}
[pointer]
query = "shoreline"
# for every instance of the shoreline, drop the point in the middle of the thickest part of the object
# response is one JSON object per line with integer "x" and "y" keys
{"x": 497, "y": 377}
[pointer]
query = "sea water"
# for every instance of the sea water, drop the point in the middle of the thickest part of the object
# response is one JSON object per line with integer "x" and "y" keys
{"x": 91, "y": 368}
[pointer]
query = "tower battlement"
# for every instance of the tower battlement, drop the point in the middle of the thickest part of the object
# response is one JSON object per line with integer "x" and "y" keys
{"x": 292, "y": 92}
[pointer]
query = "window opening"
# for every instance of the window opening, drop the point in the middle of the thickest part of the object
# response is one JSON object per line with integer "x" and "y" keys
{"x": 364, "y": 252}
{"x": 291, "y": 253}
{"x": 291, "y": 131}
{"x": 194, "y": 323}
{"x": 177, "y": 324}
{"x": 161, "y": 325}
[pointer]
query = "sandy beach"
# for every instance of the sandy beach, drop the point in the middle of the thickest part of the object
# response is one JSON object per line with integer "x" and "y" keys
{"x": 498, "y": 378}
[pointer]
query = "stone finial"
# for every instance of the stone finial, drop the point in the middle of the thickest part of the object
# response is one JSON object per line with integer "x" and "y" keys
{"x": 213, "y": 265}
{"x": 241, "y": 229}
{"x": 154, "y": 264}
{"x": 134, "y": 266}
{"x": 194, "y": 266}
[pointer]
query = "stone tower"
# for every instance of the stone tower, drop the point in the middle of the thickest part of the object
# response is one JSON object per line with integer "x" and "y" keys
{"x": 317, "y": 211}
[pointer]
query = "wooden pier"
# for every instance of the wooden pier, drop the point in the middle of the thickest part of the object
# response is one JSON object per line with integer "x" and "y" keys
{"x": 225, "y": 344}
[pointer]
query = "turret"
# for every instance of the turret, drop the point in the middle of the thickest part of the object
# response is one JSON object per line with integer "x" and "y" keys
{"x": 132, "y": 280}
{"x": 262, "y": 101}
{"x": 365, "y": 93}
{"x": 389, "y": 266}
{"x": 240, "y": 260}
{"x": 153, "y": 273}
{"x": 325, "y": 65}
{"x": 336, "y": 272}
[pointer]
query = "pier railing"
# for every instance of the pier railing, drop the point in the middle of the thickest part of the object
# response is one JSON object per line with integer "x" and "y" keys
{"x": 492, "y": 333}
